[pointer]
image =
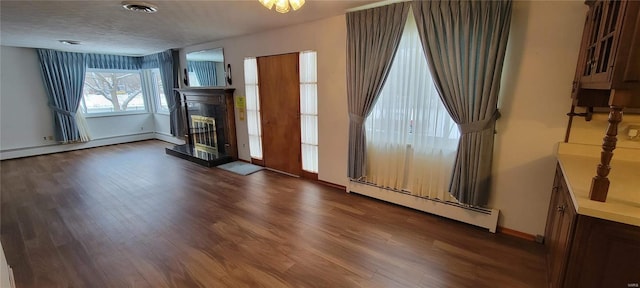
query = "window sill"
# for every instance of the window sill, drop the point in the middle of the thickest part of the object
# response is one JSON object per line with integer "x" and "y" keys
{"x": 101, "y": 115}
{"x": 163, "y": 113}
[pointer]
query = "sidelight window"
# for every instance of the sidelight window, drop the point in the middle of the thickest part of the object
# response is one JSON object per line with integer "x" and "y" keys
{"x": 253, "y": 107}
{"x": 309, "y": 110}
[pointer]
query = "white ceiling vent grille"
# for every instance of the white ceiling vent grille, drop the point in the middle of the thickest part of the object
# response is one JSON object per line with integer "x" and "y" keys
{"x": 139, "y": 6}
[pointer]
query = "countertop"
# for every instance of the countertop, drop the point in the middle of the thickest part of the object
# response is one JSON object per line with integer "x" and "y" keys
{"x": 579, "y": 163}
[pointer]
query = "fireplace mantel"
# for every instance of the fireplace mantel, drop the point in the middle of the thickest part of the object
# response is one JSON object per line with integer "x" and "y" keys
{"x": 205, "y": 94}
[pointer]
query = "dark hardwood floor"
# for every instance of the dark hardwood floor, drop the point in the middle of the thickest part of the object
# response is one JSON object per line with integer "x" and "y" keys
{"x": 130, "y": 216}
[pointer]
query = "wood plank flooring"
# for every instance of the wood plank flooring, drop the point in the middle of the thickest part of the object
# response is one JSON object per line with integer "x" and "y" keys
{"x": 131, "y": 216}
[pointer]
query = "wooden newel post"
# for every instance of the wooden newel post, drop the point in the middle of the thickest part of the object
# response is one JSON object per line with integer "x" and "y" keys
{"x": 600, "y": 183}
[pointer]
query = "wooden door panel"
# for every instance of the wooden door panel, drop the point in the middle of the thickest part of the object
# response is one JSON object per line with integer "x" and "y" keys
{"x": 280, "y": 112}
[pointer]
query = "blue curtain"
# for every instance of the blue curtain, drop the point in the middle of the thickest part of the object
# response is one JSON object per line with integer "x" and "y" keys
{"x": 119, "y": 62}
{"x": 169, "y": 75}
{"x": 205, "y": 71}
{"x": 149, "y": 61}
{"x": 63, "y": 77}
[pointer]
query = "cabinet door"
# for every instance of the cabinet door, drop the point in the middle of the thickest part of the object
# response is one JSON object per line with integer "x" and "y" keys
{"x": 590, "y": 46}
{"x": 565, "y": 235}
{"x": 626, "y": 64}
{"x": 583, "y": 57}
{"x": 605, "y": 254}
{"x": 552, "y": 236}
{"x": 559, "y": 230}
{"x": 602, "y": 31}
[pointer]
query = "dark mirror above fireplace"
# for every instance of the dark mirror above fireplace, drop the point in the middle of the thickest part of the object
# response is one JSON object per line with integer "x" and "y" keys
{"x": 206, "y": 68}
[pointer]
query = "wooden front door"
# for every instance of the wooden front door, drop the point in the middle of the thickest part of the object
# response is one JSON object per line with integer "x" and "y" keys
{"x": 280, "y": 112}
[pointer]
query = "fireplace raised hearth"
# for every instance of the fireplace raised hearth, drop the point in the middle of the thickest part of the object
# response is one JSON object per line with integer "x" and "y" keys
{"x": 211, "y": 130}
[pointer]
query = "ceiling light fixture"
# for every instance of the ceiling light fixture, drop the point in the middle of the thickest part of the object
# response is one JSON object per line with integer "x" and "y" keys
{"x": 69, "y": 42}
{"x": 138, "y": 6}
{"x": 282, "y": 6}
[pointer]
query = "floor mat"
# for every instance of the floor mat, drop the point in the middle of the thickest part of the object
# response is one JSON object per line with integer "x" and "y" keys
{"x": 240, "y": 167}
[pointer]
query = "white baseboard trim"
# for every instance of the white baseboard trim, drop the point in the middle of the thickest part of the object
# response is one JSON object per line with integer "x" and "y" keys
{"x": 6, "y": 273}
{"x": 486, "y": 218}
{"x": 49, "y": 149}
{"x": 168, "y": 138}
{"x": 12, "y": 279}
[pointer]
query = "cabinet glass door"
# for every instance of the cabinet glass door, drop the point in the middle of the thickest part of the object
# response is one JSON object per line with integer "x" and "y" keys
{"x": 604, "y": 23}
{"x": 606, "y": 41}
{"x": 595, "y": 17}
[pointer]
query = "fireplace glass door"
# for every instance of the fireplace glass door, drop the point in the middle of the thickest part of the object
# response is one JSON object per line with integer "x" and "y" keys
{"x": 206, "y": 129}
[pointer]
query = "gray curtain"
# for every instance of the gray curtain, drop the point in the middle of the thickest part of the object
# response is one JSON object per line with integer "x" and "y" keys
{"x": 169, "y": 75}
{"x": 63, "y": 78}
{"x": 373, "y": 36}
{"x": 465, "y": 43}
{"x": 205, "y": 71}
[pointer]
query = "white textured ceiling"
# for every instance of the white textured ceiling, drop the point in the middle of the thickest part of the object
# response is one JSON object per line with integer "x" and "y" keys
{"x": 206, "y": 55}
{"x": 103, "y": 26}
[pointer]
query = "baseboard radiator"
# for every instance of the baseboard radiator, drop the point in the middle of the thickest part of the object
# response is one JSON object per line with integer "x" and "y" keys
{"x": 482, "y": 217}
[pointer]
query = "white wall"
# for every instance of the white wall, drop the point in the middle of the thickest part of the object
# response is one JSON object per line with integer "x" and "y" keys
{"x": 328, "y": 38}
{"x": 25, "y": 118}
{"x": 541, "y": 59}
{"x": 121, "y": 125}
{"x": 540, "y": 65}
{"x": 24, "y": 115}
{"x": 162, "y": 124}
{"x": 593, "y": 131}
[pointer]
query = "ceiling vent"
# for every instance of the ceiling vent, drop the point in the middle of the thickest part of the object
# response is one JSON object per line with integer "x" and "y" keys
{"x": 139, "y": 6}
{"x": 69, "y": 42}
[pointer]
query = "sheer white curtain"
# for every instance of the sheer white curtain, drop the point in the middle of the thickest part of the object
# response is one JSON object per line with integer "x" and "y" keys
{"x": 83, "y": 126}
{"x": 411, "y": 139}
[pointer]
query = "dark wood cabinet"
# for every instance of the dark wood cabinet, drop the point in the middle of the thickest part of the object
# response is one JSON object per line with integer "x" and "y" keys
{"x": 609, "y": 55}
{"x": 584, "y": 251}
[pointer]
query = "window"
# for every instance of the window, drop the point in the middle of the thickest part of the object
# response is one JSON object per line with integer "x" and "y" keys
{"x": 253, "y": 107}
{"x": 411, "y": 138}
{"x": 109, "y": 92}
{"x": 309, "y": 110}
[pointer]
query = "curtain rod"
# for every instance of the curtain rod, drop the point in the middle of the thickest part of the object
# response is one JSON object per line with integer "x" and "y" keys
{"x": 374, "y": 5}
